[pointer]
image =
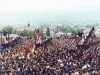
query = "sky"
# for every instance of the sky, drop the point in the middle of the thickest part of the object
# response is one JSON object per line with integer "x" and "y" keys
{"x": 37, "y": 5}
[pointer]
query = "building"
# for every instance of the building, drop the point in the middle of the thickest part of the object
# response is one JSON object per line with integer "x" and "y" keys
{"x": 60, "y": 34}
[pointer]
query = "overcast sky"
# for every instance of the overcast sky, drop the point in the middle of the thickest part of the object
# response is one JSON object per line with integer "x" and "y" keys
{"x": 36, "y": 5}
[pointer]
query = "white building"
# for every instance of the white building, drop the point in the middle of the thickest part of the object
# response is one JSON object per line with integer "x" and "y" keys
{"x": 60, "y": 34}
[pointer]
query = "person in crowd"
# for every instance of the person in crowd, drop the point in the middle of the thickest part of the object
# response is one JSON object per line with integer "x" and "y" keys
{"x": 60, "y": 57}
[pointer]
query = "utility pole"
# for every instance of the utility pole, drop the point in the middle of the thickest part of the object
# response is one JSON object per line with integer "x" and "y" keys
{"x": 1, "y": 36}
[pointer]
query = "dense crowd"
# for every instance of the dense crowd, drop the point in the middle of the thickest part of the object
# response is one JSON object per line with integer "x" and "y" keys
{"x": 59, "y": 57}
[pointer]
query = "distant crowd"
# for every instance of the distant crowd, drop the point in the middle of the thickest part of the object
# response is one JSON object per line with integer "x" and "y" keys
{"x": 59, "y": 57}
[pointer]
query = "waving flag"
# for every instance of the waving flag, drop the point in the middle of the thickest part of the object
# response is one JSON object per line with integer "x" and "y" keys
{"x": 4, "y": 33}
{"x": 5, "y": 36}
{"x": 80, "y": 34}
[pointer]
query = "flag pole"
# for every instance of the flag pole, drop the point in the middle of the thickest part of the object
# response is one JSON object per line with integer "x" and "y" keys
{"x": 1, "y": 37}
{"x": 8, "y": 36}
{"x": 35, "y": 39}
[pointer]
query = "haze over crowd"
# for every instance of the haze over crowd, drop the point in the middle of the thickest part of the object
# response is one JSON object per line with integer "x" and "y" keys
{"x": 20, "y": 12}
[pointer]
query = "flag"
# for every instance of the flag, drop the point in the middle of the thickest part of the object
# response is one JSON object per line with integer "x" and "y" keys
{"x": 80, "y": 34}
{"x": 4, "y": 33}
{"x": 89, "y": 35}
{"x": 28, "y": 24}
{"x": 5, "y": 37}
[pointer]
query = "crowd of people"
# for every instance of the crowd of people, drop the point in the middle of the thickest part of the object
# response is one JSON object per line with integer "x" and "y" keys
{"x": 60, "y": 56}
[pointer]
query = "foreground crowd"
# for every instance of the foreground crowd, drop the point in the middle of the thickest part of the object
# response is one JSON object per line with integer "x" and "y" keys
{"x": 59, "y": 57}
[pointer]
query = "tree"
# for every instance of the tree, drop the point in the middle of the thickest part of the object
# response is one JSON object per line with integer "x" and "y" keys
{"x": 34, "y": 33}
{"x": 31, "y": 33}
{"x": 14, "y": 31}
{"x": 9, "y": 29}
{"x": 24, "y": 32}
{"x": 55, "y": 31}
{"x": 88, "y": 26}
{"x": 19, "y": 32}
{"x": 48, "y": 31}
{"x": 73, "y": 32}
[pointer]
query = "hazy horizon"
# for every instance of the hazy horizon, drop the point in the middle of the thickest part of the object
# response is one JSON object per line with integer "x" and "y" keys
{"x": 20, "y": 12}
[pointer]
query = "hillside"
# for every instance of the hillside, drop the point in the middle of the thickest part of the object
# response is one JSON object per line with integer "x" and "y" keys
{"x": 50, "y": 16}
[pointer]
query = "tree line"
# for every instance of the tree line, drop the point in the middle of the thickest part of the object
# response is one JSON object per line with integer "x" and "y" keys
{"x": 28, "y": 32}
{"x": 24, "y": 32}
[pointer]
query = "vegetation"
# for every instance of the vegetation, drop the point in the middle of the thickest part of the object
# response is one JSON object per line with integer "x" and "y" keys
{"x": 48, "y": 32}
{"x": 9, "y": 29}
{"x": 31, "y": 33}
{"x": 24, "y": 32}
